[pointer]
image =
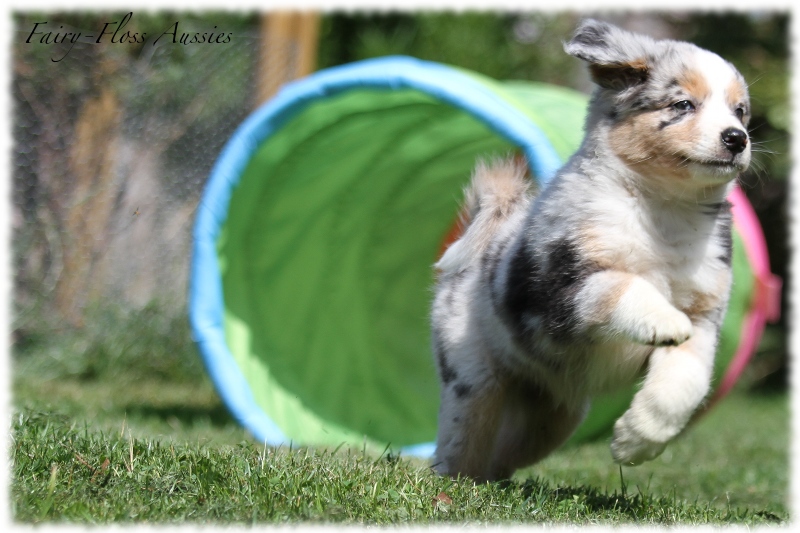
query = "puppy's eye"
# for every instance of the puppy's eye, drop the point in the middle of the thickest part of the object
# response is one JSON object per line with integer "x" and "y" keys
{"x": 739, "y": 113}
{"x": 683, "y": 106}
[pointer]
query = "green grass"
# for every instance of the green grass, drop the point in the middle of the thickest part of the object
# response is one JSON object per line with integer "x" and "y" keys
{"x": 99, "y": 437}
{"x": 139, "y": 369}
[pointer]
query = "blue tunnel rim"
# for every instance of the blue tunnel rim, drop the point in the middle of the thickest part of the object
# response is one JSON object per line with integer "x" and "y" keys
{"x": 206, "y": 300}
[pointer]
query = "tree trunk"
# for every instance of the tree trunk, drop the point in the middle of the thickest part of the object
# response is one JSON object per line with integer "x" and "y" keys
{"x": 90, "y": 202}
{"x": 289, "y": 41}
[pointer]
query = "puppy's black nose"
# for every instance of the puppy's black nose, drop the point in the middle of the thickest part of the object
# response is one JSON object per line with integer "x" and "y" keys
{"x": 734, "y": 140}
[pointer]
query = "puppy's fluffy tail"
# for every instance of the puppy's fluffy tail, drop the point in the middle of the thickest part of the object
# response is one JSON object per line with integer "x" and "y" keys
{"x": 498, "y": 190}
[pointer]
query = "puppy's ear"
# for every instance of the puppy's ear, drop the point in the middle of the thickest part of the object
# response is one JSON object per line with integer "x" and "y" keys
{"x": 617, "y": 58}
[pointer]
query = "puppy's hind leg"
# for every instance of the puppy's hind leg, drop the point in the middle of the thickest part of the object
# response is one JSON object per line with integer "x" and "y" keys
{"x": 468, "y": 421}
{"x": 533, "y": 425}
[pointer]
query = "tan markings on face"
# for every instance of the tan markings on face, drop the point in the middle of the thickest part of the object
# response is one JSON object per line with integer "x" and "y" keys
{"x": 650, "y": 149}
{"x": 695, "y": 85}
{"x": 735, "y": 93}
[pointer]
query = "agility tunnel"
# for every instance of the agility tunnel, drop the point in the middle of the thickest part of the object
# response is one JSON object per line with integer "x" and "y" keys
{"x": 317, "y": 231}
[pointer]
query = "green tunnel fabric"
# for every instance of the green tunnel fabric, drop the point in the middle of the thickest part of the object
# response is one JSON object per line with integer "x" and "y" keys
{"x": 338, "y": 220}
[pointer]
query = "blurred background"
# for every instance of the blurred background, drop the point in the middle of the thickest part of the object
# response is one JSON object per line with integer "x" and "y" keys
{"x": 114, "y": 142}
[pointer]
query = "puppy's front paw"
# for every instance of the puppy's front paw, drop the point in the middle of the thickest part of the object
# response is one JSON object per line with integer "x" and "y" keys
{"x": 645, "y": 316}
{"x": 630, "y": 447}
{"x": 668, "y": 327}
{"x": 657, "y": 326}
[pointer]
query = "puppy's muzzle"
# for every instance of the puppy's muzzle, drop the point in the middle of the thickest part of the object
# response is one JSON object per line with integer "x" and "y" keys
{"x": 735, "y": 140}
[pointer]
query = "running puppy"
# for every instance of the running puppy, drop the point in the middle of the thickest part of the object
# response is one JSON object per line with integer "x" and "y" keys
{"x": 619, "y": 269}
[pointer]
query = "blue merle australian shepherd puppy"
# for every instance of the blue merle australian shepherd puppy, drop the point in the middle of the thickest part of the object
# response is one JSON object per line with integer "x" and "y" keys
{"x": 618, "y": 271}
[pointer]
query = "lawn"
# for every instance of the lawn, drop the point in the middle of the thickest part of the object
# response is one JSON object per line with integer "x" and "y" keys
{"x": 100, "y": 437}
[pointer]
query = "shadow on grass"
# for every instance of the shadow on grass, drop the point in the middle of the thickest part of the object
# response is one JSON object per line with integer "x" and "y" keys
{"x": 597, "y": 502}
{"x": 636, "y": 507}
{"x": 590, "y": 497}
{"x": 217, "y": 415}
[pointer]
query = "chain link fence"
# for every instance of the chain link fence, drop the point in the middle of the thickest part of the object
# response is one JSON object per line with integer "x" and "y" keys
{"x": 112, "y": 144}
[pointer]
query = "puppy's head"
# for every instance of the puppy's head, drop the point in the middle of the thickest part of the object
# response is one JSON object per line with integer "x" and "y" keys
{"x": 674, "y": 111}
